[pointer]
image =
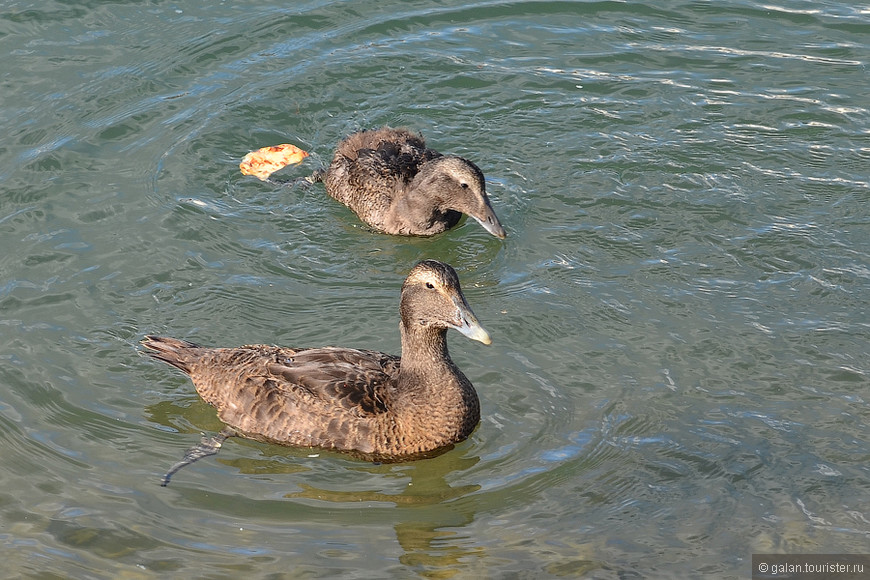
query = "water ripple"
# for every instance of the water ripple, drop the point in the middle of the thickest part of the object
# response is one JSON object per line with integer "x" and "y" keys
{"x": 678, "y": 360}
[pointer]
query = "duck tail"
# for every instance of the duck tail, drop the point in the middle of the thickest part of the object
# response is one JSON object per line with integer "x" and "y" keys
{"x": 169, "y": 350}
{"x": 316, "y": 177}
{"x": 303, "y": 182}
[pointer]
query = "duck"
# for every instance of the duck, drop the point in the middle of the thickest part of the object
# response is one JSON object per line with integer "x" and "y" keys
{"x": 375, "y": 406}
{"x": 394, "y": 183}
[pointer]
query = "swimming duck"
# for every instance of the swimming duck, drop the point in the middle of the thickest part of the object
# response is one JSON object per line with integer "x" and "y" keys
{"x": 397, "y": 185}
{"x": 376, "y": 406}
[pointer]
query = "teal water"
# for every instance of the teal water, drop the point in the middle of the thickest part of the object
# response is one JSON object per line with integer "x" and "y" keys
{"x": 679, "y": 373}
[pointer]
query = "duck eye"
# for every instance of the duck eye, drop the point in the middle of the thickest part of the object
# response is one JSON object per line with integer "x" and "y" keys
{"x": 430, "y": 285}
{"x": 463, "y": 185}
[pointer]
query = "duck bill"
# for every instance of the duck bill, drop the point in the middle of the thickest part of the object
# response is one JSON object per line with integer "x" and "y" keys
{"x": 468, "y": 325}
{"x": 490, "y": 223}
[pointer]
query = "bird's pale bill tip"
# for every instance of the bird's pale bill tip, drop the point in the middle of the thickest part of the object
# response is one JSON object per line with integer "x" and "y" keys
{"x": 492, "y": 225}
{"x": 485, "y": 338}
{"x": 475, "y": 331}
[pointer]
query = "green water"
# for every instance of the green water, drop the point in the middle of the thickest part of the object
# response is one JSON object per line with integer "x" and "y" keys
{"x": 679, "y": 372}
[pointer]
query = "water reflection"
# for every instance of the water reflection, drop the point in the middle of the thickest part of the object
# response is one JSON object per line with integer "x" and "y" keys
{"x": 427, "y": 514}
{"x": 424, "y": 510}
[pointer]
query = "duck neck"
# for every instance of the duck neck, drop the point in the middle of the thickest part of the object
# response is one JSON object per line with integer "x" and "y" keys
{"x": 435, "y": 401}
{"x": 424, "y": 350}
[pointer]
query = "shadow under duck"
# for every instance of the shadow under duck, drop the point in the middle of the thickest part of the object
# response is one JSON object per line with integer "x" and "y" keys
{"x": 373, "y": 405}
{"x": 397, "y": 185}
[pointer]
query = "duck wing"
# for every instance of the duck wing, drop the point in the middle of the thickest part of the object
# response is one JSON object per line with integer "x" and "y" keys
{"x": 371, "y": 168}
{"x": 349, "y": 379}
{"x": 324, "y": 397}
{"x": 393, "y": 160}
{"x": 381, "y": 156}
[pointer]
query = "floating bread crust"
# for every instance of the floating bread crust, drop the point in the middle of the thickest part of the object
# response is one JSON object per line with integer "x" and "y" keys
{"x": 264, "y": 162}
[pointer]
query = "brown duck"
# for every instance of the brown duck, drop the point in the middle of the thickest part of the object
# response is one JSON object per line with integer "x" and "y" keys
{"x": 374, "y": 405}
{"x": 397, "y": 185}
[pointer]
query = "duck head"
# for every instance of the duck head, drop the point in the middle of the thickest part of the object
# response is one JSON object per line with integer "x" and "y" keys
{"x": 457, "y": 184}
{"x": 432, "y": 300}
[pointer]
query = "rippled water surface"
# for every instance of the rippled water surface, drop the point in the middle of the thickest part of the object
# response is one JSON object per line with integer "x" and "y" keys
{"x": 679, "y": 373}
